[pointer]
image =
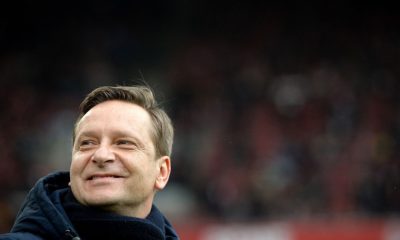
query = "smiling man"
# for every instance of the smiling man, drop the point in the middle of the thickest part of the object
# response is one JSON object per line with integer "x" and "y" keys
{"x": 122, "y": 144}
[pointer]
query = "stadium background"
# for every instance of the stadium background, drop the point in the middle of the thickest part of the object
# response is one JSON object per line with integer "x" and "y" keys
{"x": 287, "y": 115}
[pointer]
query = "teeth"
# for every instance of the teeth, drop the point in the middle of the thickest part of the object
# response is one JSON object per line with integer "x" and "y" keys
{"x": 94, "y": 177}
{"x": 101, "y": 177}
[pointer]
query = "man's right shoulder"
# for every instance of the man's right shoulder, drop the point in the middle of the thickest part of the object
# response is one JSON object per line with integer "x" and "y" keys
{"x": 19, "y": 236}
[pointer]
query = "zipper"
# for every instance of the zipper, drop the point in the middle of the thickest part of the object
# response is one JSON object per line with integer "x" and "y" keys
{"x": 71, "y": 235}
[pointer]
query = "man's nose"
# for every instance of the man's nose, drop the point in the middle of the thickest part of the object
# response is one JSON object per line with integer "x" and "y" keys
{"x": 103, "y": 155}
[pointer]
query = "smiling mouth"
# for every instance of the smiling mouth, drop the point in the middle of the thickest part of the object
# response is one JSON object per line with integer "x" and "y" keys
{"x": 102, "y": 176}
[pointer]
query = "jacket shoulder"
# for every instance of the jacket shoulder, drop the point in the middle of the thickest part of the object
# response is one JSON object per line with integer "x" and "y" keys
{"x": 41, "y": 213}
{"x": 19, "y": 236}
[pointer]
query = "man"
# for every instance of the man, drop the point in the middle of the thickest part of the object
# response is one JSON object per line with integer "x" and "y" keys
{"x": 122, "y": 141}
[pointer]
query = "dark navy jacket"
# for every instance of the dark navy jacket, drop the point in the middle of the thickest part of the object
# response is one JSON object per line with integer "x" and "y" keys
{"x": 51, "y": 212}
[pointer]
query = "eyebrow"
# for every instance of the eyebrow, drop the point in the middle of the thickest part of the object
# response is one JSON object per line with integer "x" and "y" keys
{"x": 114, "y": 133}
{"x": 87, "y": 133}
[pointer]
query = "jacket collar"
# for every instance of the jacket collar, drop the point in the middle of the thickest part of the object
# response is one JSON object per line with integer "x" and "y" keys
{"x": 51, "y": 211}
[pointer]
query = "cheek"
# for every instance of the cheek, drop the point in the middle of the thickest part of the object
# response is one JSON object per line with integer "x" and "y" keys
{"x": 141, "y": 169}
{"x": 149, "y": 173}
{"x": 73, "y": 167}
{"x": 74, "y": 173}
{"x": 77, "y": 163}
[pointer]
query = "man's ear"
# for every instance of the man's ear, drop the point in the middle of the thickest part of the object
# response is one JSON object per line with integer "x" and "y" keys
{"x": 164, "y": 167}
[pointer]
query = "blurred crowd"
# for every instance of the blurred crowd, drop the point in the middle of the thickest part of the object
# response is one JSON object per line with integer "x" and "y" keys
{"x": 276, "y": 134}
{"x": 281, "y": 119}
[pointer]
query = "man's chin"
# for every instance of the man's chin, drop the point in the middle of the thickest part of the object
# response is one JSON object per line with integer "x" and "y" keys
{"x": 101, "y": 202}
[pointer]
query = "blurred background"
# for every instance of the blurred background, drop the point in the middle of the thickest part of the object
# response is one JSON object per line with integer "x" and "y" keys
{"x": 283, "y": 112}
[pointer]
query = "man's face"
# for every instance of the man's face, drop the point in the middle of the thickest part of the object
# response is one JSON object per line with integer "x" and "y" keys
{"x": 113, "y": 159}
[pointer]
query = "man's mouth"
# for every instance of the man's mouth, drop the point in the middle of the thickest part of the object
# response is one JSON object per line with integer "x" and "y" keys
{"x": 93, "y": 177}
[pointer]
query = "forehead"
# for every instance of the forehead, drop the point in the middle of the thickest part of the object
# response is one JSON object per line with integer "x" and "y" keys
{"x": 117, "y": 114}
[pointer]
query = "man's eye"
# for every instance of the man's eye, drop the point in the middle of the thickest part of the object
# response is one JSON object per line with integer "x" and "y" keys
{"x": 127, "y": 144}
{"x": 86, "y": 143}
{"x": 124, "y": 142}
